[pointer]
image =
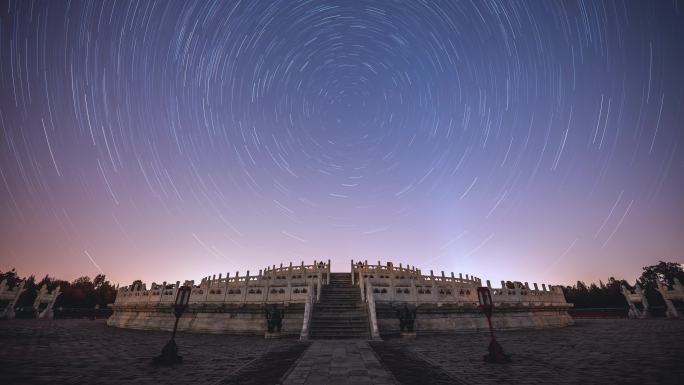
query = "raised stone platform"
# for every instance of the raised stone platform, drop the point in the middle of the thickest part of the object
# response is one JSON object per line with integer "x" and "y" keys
{"x": 365, "y": 303}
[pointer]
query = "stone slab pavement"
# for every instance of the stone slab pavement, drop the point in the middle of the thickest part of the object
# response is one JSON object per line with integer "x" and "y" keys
{"x": 623, "y": 351}
{"x": 590, "y": 352}
{"x": 74, "y": 351}
{"x": 339, "y": 362}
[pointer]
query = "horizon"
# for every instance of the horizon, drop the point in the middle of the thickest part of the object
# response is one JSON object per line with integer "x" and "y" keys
{"x": 255, "y": 272}
{"x": 173, "y": 140}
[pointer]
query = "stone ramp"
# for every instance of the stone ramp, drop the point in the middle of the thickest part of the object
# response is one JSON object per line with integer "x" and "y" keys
{"x": 339, "y": 363}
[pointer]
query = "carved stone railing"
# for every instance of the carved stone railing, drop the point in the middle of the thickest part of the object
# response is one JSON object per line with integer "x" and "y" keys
{"x": 8, "y": 298}
{"x": 671, "y": 293}
{"x": 45, "y": 301}
{"x": 635, "y": 297}
{"x": 308, "y": 313}
{"x": 370, "y": 305}
{"x": 390, "y": 283}
{"x": 523, "y": 295}
{"x": 289, "y": 284}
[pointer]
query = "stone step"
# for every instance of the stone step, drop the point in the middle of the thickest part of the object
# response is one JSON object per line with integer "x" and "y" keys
{"x": 340, "y": 300}
{"x": 345, "y": 319}
{"x": 347, "y": 314}
{"x": 340, "y": 324}
{"x": 340, "y": 336}
{"x": 333, "y": 301}
{"x": 321, "y": 324}
{"x": 350, "y": 332}
{"x": 340, "y": 312}
{"x": 339, "y": 306}
{"x": 341, "y": 331}
{"x": 361, "y": 325}
{"x": 326, "y": 299}
{"x": 341, "y": 290}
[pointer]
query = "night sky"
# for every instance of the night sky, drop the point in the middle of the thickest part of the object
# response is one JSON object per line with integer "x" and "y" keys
{"x": 168, "y": 140}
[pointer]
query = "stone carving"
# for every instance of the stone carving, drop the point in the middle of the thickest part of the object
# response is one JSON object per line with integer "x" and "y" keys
{"x": 674, "y": 293}
{"x": 44, "y": 302}
{"x": 274, "y": 319}
{"x": 407, "y": 318}
{"x": 8, "y": 298}
{"x": 636, "y": 297}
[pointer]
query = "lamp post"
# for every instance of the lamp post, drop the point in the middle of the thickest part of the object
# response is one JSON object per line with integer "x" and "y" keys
{"x": 169, "y": 354}
{"x": 496, "y": 353}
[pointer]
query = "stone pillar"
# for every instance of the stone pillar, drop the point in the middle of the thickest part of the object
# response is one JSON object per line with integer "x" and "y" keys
{"x": 12, "y": 296}
{"x": 50, "y": 300}
{"x": 676, "y": 293}
{"x": 632, "y": 299}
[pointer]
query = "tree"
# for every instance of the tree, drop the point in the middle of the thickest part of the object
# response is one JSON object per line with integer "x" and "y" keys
{"x": 27, "y": 298}
{"x": 82, "y": 281}
{"x": 11, "y": 277}
{"x": 99, "y": 280}
{"x": 596, "y": 296}
{"x": 664, "y": 272}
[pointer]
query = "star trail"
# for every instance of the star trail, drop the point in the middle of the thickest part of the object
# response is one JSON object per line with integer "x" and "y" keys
{"x": 164, "y": 140}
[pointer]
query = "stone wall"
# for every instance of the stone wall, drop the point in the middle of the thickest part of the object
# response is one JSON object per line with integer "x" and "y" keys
{"x": 209, "y": 318}
{"x": 449, "y": 318}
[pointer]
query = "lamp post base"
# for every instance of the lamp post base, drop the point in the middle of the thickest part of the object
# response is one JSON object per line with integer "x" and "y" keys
{"x": 169, "y": 355}
{"x": 496, "y": 354}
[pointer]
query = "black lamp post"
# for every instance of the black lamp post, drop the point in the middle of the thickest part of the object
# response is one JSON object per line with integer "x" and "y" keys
{"x": 496, "y": 353}
{"x": 169, "y": 355}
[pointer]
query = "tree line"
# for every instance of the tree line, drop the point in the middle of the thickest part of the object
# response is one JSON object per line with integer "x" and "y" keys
{"x": 609, "y": 294}
{"x": 81, "y": 293}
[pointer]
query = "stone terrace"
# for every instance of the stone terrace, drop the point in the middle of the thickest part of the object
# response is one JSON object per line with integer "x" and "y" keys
{"x": 593, "y": 351}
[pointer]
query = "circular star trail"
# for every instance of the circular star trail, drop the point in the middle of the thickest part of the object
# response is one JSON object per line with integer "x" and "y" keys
{"x": 173, "y": 139}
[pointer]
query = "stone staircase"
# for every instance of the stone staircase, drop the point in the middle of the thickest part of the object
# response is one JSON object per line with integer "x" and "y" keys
{"x": 340, "y": 313}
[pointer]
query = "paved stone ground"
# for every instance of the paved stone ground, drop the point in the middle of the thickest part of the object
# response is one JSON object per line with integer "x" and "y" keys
{"x": 591, "y": 352}
{"x": 339, "y": 363}
{"x": 90, "y": 352}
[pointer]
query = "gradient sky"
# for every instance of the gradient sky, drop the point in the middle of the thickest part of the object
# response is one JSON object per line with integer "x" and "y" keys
{"x": 168, "y": 140}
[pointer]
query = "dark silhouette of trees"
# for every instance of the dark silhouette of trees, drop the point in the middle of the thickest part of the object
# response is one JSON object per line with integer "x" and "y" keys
{"x": 664, "y": 272}
{"x": 596, "y": 296}
{"x": 11, "y": 276}
{"x": 81, "y": 293}
{"x": 610, "y": 294}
